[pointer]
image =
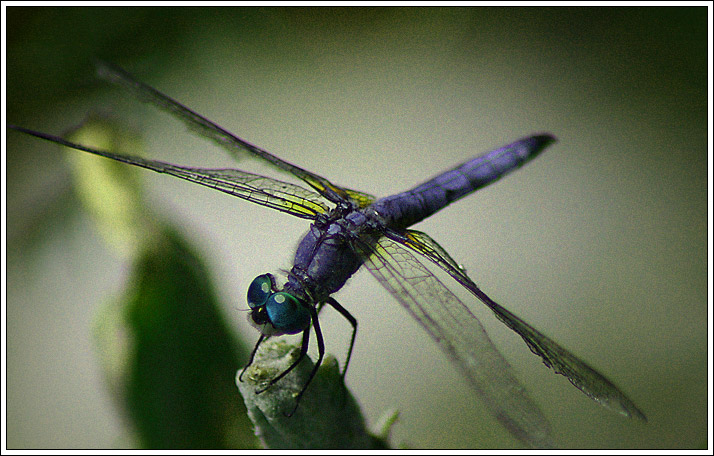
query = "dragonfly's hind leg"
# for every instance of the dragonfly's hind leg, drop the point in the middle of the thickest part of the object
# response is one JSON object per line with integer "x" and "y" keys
{"x": 353, "y": 321}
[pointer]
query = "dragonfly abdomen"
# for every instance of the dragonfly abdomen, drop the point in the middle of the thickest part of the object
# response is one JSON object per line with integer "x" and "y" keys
{"x": 407, "y": 208}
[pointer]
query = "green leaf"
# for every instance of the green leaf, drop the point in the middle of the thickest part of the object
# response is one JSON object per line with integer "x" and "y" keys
{"x": 170, "y": 356}
{"x": 110, "y": 191}
{"x": 327, "y": 416}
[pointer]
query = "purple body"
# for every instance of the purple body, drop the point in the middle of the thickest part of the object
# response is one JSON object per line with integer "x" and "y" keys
{"x": 325, "y": 258}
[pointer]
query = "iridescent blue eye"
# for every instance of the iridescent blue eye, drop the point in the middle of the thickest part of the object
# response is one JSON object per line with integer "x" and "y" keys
{"x": 287, "y": 313}
{"x": 259, "y": 290}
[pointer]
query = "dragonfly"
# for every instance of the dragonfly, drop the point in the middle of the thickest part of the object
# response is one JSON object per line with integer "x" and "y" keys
{"x": 350, "y": 230}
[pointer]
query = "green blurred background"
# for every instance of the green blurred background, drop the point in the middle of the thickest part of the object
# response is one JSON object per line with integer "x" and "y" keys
{"x": 600, "y": 243}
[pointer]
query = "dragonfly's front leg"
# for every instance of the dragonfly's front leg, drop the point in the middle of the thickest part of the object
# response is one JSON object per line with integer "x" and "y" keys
{"x": 303, "y": 351}
{"x": 252, "y": 355}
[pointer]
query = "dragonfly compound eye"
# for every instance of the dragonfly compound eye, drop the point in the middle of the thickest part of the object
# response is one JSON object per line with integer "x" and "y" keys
{"x": 259, "y": 290}
{"x": 287, "y": 314}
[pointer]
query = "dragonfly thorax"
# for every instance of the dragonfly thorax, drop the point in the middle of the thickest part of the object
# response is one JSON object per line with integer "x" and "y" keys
{"x": 325, "y": 258}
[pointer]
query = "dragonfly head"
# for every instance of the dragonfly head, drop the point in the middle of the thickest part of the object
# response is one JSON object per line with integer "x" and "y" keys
{"x": 275, "y": 312}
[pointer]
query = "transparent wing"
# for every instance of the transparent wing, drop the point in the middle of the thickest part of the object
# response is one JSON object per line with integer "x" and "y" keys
{"x": 580, "y": 374}
{"x": 460, "y": 334}
{"x": 262, "y": 190}
{"x": 226, "y": 139}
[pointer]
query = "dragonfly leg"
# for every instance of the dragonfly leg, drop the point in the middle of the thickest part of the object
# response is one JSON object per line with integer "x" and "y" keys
{"x": 303, "y": 352}
{"x": 353, "y": 321}
{"x": 252, "y": 356}
{"x": 320, "y": 355}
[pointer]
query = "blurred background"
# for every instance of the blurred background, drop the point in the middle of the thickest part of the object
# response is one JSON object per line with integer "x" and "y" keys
{"x": 600, "y": 243}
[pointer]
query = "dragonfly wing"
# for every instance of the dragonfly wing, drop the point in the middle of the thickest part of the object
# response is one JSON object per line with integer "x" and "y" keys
{"x": 460, "y": 334}
{"x": 262, "y": 190}
{"x": 226, "y": 139}
{"x": 283, "y": 196}
{"x": 580, "y": 374}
